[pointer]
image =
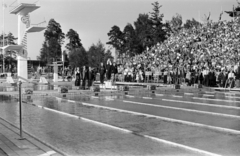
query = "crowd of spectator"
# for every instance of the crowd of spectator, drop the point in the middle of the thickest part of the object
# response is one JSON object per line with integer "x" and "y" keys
{"x": 208, "y": 54}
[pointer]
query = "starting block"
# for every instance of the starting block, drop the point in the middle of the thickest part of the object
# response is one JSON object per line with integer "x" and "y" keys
{"x": 9, "y": 78}
{"x": 27, "y": 90}
{"x": 43, "y": 80}
{"x": 152, "y": 88}
{"x": 197, "y": 85}
{"x": 62, "y": 89}
{"x": 177, "y": 86}
{"x": 95, "y": 89}
{"x": 109, "y": 85}
{"x": 124, "y": 88}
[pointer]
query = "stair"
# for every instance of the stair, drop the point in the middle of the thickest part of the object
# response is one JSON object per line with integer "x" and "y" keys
{"x": 29, "y": 67}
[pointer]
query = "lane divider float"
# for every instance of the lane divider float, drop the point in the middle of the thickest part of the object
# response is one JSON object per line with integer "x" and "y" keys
{"x": 203, "y": 104}
{"x": 183, "y": 109}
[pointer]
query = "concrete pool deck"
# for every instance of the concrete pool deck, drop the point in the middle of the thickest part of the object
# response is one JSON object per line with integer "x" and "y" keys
{"x": 12, "y": 145}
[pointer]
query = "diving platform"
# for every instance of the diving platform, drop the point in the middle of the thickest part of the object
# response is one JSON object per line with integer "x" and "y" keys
{"x": 12, "y": 47}
{"x": 24, "y": 8}
{"x": 33, "y": 29}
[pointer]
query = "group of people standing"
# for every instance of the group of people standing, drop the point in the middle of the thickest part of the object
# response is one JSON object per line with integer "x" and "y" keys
{"x": 84, "y": 77}
{"x": 207, "y": 76}
{"x": 108, "y": 71}
{"x": 87, "y": 75}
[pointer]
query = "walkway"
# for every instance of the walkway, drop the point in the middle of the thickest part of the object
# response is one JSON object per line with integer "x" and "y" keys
{"x": 12, "y": 145}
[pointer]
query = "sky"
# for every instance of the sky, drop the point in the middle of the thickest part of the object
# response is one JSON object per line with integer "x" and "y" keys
{"x": 93, "y": 19}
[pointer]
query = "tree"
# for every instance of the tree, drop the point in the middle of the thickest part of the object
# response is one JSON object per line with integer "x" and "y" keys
{"x": 77, "y": 54}
{"x": 144, "y": 33}
{"x": 97, "y": 54}
{"x": 10, "y": 39}
{"x": 235, "y": 11}
{"x": 158, "y": 32}
{"x": 156, "y": 17}
{"x": 54, "y": 38}
{"x": 66, "y": 56}
{"x": 129, "y": 39}
{"x": 10, "y": 55}
{"x": 116, "y": 38}
{"x": 78, "y": 57}
{"x": 44, "y": 55}
{"x": 176, "y": 23}
{"x": 191, "y": 23}
{"x": 107, "y": 55}
{"x": 74, "y": 40}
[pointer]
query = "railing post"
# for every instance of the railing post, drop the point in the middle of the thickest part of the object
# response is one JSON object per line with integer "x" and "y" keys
{"x": 20, "y": 109}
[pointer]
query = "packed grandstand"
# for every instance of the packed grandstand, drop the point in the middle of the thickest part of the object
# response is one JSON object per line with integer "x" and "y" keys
{"x": 207, "y": 54}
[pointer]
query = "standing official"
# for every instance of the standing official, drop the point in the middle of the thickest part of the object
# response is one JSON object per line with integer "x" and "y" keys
{"x": 84, "y": 77}
{"x": 108, "y": 69}
{"x": 114, "y": 71}
{"x": 90, "y": 77}
{"x": 102, "y": 72}
{"x": 77, "y": 76}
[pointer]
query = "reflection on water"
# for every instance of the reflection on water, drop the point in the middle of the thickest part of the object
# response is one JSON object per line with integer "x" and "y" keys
{"x": 35, "y": 87}
{"x": 140, "y": 124}
{"x": 5, "y": 98}
{"x": 8, "y": 89}
{"x": 77, "y": 137}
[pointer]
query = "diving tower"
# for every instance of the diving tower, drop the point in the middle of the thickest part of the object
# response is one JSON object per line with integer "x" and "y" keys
{"x": 23, "y": 11}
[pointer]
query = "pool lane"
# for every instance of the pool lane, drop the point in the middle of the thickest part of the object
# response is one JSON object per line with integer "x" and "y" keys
{"x": 77, "y": 137}
{"x": 218, "y": 99}
{"x": 197, "y": 137}
{"x": 212, "y": 120}
{"x": 202, "y": 118}
{"x": 185, "y": 103}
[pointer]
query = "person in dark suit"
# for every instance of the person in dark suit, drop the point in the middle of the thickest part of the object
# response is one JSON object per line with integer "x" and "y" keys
{"x": 114, "y": 71}
{"x": 108, "y": 69}
{"x": 238, "y": 76}
{"x": 77, "y": 75}
{"x": 201, "y": 78}
{"x": 178, "y": 76}
{"x": 84, "y": 77}
{"x": 222, "y": 78}
{"x": 102, "y": 72}
{"x": 90, "y": 76}
{"x": 211, "y": 78}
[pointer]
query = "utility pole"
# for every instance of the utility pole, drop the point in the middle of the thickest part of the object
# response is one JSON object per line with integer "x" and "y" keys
{"x": 3, "y": 5}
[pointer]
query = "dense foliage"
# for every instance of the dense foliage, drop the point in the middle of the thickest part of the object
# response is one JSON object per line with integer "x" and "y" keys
{"x": 10, "y": 55}
{"x": 97, "y": 54}
{"x": 54, "y": 37}
{"x": 147, "y": 31}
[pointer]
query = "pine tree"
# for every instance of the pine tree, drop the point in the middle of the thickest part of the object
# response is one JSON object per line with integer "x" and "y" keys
{"x": 116, "y": 38}
{"x": 74, "y": 40}
{"x": 158, "y": 33}
{"x": 97, "y": 54}
{"x": 54, "y": 38}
